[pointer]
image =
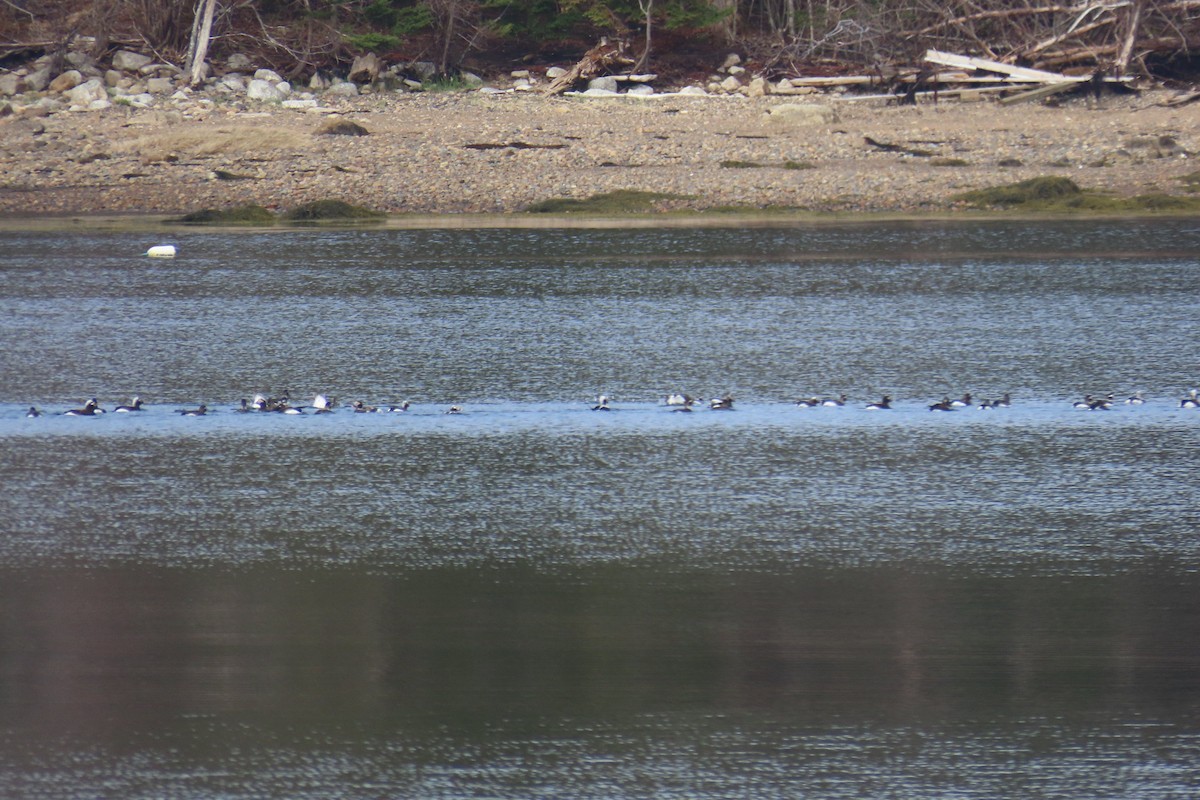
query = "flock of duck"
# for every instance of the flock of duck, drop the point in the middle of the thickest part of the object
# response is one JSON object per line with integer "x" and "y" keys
{"x": 323, "y": 404}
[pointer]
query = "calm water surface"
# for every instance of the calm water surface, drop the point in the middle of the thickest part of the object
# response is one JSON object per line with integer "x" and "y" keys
{"x": 534, "y": 599}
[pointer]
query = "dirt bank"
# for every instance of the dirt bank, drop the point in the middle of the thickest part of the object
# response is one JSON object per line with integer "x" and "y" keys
{"x": 498, "y": 153}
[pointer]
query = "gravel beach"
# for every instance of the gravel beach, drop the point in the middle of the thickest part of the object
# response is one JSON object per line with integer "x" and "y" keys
{"x": 487, "y": 153}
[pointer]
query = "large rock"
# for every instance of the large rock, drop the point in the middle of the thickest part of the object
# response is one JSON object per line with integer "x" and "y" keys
{"x": 758, "y": 88}
{"x": 233, "y": 82}
{"x": 264, "y": 91}
{"x": 38, "y": 80}
{"x": 86, "y": 93}
{"x": 423, "y": 70}
{"x": 342, "y": 127}
{"x": 239, "y": 62}
{"x": 605, "y": 83}
{"x": 66, "y": 81}
{"x": 160, "y": 85}
{"x": 268, "y": 75}
{"x": 10, "y": 84}
{"x": 365, "y": 68}
{"x": 129, "y": 61}
{"x": 343, "y": 89}
{"x": 801, "y": 114}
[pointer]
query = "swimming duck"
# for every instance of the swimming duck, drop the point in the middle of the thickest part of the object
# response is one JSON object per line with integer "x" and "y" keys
{"x": 1191, "y": 401}
{"x": 362, "y": 408}
{"x": 831, "y": 402}
{"x": 1090, "y": 403}
{"x": 945, "y": 404}
{"x": 964, "y": 402}
{"x": 135, "y": 405}
{"x": 32, "y": 413}
{"x": 808, "y": 402}
{"x": 322, "y": 404}
{"x": 400, "y": 409}
{"x": 200, "y": 411}
{"x": 679, "y": 400}
{"x": 1135, "y": 399}
{"x": 1003, "y": 402}
{"x": 724, "y": 403}
{"x": 883, "y": 405}
{"x": 602, "y": 404}
{"x": 90, "y": 409}
{"x": 454, "y": 410}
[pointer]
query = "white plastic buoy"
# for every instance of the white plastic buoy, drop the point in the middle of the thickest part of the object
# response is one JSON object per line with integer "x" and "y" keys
{"x": 161, "y": 251}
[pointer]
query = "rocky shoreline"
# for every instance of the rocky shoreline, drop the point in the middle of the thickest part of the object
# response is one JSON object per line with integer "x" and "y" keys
{"x": 499, "y": 149}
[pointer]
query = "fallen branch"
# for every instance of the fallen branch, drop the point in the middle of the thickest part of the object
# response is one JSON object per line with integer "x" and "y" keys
{"x": 1053, "y": 40}
{"x": 1006, "y": 13}
{"x": 599, "y": 60}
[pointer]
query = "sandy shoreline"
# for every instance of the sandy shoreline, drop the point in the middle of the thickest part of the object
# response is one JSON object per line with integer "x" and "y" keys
{"x": 436, "y": 159}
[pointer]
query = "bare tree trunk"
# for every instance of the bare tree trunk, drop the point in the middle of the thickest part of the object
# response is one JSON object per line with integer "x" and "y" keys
{"x": 1133, "y": 21}
{"x": 643, "y": 63}
{"x": 198, "y": 44}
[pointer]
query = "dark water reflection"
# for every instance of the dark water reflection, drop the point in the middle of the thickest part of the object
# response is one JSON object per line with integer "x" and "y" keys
{"x": 531, "y": 599}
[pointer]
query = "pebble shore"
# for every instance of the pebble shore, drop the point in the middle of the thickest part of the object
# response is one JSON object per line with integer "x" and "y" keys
{"x": 487, "y": 153}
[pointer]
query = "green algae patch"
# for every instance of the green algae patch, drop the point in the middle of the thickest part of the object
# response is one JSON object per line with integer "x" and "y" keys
{"x": 332, "y": 211}
{"x": 1054, "y": 194}
{"x": 622, "y": 201}
{"x": 239, "y": 215}
{"x": 1035, "y": 191}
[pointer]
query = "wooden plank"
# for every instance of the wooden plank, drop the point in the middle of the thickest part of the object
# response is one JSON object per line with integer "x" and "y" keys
{"x": 1036, "y": 94}
{"x": 969, "y": 62}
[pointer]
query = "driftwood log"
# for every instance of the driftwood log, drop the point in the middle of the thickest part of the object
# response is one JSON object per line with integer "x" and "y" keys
{"x": 600, "y": 60}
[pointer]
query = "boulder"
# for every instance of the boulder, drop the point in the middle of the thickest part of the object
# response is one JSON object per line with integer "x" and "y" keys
{"x": 471, "y": 79}
{"x": 87, "y": 93}
{"x": 239, "y": 62}
{"x": 555, "y": 72}
{"x": 365, "y": 68}
{"x": 423, "y": 70}
{"x": 160, "y": 85}
{"x": 758, "y": 88}
{"x": 269, "y": 75}
{"x": 10, "y": 84}
{"x": 129, "y": 61}
{"x": 731, "y": 85}
{"x": 38, "y": 80}
{"x": 80, "y": 61}
{"x": 801, "y": 114}
{"x": 731, "y": 60}
{"x": 66, "y": 81}
{"x": 343, "y": 89}
{"x": 113, "y": 77}
{"x": 693, "y": 91}
{"x": 233, "y": 82}
{"x": 606, "y": 83}
{"x": 264, "y": 91}
{"x": 342, "y": 127}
